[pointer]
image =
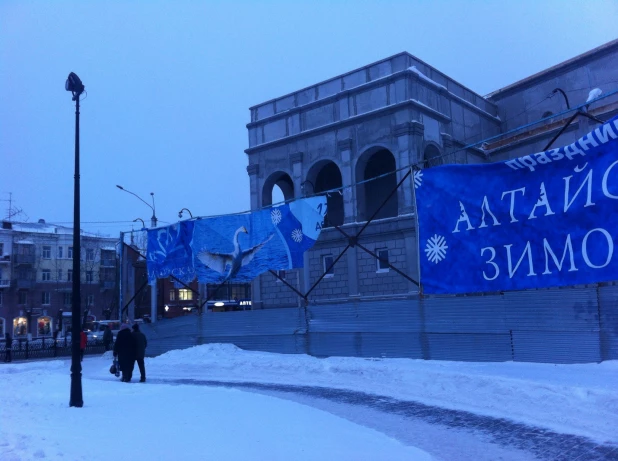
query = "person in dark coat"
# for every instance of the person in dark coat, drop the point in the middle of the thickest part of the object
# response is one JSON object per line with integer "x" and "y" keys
{"x": 108, "y": 338}
{"x": 124, "y": 349}
{"x": 8, "y": 347}
{"x": 140, "y": 351}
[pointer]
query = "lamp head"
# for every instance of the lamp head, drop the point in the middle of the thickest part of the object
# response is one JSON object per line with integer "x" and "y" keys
{"x": 74, "y": 85}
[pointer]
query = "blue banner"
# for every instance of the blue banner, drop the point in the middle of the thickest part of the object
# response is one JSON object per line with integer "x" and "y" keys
{"x": 543, "y": 220}
{"x": 236, "y": 247}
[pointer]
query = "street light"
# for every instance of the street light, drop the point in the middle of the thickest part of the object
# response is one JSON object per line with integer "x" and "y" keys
{"x": 180, "y": 213}
{"x": 76, "y": 87}
{"x": 140, "y": 219}
{"x": 153, "y": 223}
{"x": 153, "y": 219}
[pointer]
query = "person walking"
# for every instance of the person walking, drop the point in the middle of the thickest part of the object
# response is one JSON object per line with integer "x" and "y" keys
{"x": 108, "y": 338}
{"x": 124, "y": 349}
{"x": 83, "y": 340}
{"x": 140, "y": 351}
{"x": 8, "y": 347}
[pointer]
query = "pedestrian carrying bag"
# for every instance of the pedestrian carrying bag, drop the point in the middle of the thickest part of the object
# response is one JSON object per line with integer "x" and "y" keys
{"x": 114, "y": 368}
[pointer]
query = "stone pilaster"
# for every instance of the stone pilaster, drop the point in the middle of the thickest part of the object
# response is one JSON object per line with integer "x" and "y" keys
{"x": 409, "y": 144}
{"x": 347, "y": 179}
{"x": 255, "y": 187}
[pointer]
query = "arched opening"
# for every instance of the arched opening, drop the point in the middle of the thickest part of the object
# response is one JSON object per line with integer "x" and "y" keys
{"x": 278, "y": 187}
{"x": 432, "y": 156}
{"x": 326, "y": 176}
{"x": 371, "y": 194}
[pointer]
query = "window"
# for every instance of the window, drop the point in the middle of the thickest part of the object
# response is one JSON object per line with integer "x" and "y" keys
{"x": 22, "y": 297}
{"x": 46, "y": 252}
{"x": 70, "y": 253}
{"x": 382, "y": 260}
{"x": 45, "y": 275}
{"x": 281, "y": 275}
{"x": 172, "y": 295}
{"x": 44, "y": 326}
{"x": 185, "y": 295}
{"x": 1, "y": 248}
{"x": 45, "y": 298}
{"x": 327, "y": 262}
{"x": 68, "y": 298}
{"x": 59, "y": 275}
{"x": 89, "y": 277}
{"x": 90, "y": 254}
{"x": 1, "y": 297}
{"x": 90, "y": 300}
{"x": 60, "y": 252}
{"x": 70, "y": 275}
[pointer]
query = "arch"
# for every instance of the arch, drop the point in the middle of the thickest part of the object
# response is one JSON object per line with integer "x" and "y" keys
{"x": 374, "y": 163}
{"x": 432, "y": 156}
{"x": 281, "y": 180}
{"x": 326, "y": 175}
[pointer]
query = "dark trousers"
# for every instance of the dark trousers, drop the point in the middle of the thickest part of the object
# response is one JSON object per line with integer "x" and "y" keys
{"x": 142, "y": 368}
{"x": 7, "y": 356}
{"x": 126, "y": 367}
{"x": 108, "y": 346}
{"x": 81, "y": 354}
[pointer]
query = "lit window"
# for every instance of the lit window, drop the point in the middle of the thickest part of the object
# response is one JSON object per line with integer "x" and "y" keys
{"x": 185, "y": 295}
{"x": 45, "y": 298}
{"x": 327, "y": 263}
{"x": 45, "y": 275}
{"x": 46, "y": 252}
{"x": 382, "y": 260}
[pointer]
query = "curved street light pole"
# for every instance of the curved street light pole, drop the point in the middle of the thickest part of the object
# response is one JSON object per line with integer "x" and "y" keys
{"x": 76, "y": 87}
{"x": 153, "y": 223}
{"x": 188, "y": 211}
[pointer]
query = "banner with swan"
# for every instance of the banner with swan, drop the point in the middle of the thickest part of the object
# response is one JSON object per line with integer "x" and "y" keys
{"x": 236, "y": 247}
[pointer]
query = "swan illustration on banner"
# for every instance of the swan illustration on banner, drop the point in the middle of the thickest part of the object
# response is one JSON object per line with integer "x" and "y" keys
{"x": 231, "y": 262}
{"x": 236, "y": 247}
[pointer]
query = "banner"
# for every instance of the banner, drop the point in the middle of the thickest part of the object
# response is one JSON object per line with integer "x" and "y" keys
{"x": 236, "y": 247}
{"x": 543, "y": 220}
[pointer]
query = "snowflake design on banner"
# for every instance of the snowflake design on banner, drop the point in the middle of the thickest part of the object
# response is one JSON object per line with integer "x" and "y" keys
{"x": 275, "y": 215}
{"x": 418, "y": 178}
{"x": 436, "y": 249}
{"x": 297, "y": 235}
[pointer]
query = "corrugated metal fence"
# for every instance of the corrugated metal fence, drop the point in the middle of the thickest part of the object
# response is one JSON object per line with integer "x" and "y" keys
{"x": 572, "y": 325}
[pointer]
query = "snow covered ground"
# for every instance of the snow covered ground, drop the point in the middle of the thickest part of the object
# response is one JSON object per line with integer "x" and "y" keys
{"x": 166, "y": 421}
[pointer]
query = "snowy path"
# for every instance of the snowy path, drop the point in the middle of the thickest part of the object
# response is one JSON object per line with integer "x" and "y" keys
{"x": 444, "y": 433}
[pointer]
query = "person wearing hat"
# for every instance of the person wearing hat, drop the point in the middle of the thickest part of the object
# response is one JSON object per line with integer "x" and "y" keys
{"x": 140, "y": 351}
{"x": 124, "y": 349}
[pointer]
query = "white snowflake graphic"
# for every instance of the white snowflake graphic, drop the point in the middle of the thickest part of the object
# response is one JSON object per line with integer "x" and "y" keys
{"x": 418, "y": 178}
{"x": 297, "y": 235}
{"x": 275, "y": 215}
{"x": 436, "y": 249}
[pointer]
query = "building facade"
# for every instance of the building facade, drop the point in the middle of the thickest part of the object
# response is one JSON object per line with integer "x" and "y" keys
{"x": 357, "y": 133}
{"x": 36, "y": 277}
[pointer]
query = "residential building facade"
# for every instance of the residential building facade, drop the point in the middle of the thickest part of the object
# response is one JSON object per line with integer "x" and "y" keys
{"x": 36, "y": 272}
{"x": 359, "y": 131}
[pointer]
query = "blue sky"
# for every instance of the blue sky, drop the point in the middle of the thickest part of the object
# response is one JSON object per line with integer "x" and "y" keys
{"x": 170, "y": 82}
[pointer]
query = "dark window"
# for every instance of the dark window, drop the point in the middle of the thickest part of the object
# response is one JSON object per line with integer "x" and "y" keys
{"x": 327, "y": 262}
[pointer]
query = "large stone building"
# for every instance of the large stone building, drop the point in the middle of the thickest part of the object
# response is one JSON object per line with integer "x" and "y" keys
{"x": 36, "y": 277}
{"x": 374, "y": 122}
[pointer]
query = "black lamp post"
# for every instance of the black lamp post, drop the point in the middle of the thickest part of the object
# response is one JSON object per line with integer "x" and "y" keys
{"x": 188, "y": 211}
{"x": 76, "y": 87}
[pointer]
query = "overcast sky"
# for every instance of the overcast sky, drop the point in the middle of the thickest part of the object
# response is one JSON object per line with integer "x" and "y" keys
{"x": 170, "y": 82}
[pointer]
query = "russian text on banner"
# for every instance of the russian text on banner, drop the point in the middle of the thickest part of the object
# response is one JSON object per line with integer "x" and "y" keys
{"x": 543, "y": 220}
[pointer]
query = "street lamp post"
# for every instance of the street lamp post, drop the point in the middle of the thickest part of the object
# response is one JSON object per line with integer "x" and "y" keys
{"x": 188, "y": 211}
{"x": 76, "y": 87}
{"x": 153, "y": 223}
